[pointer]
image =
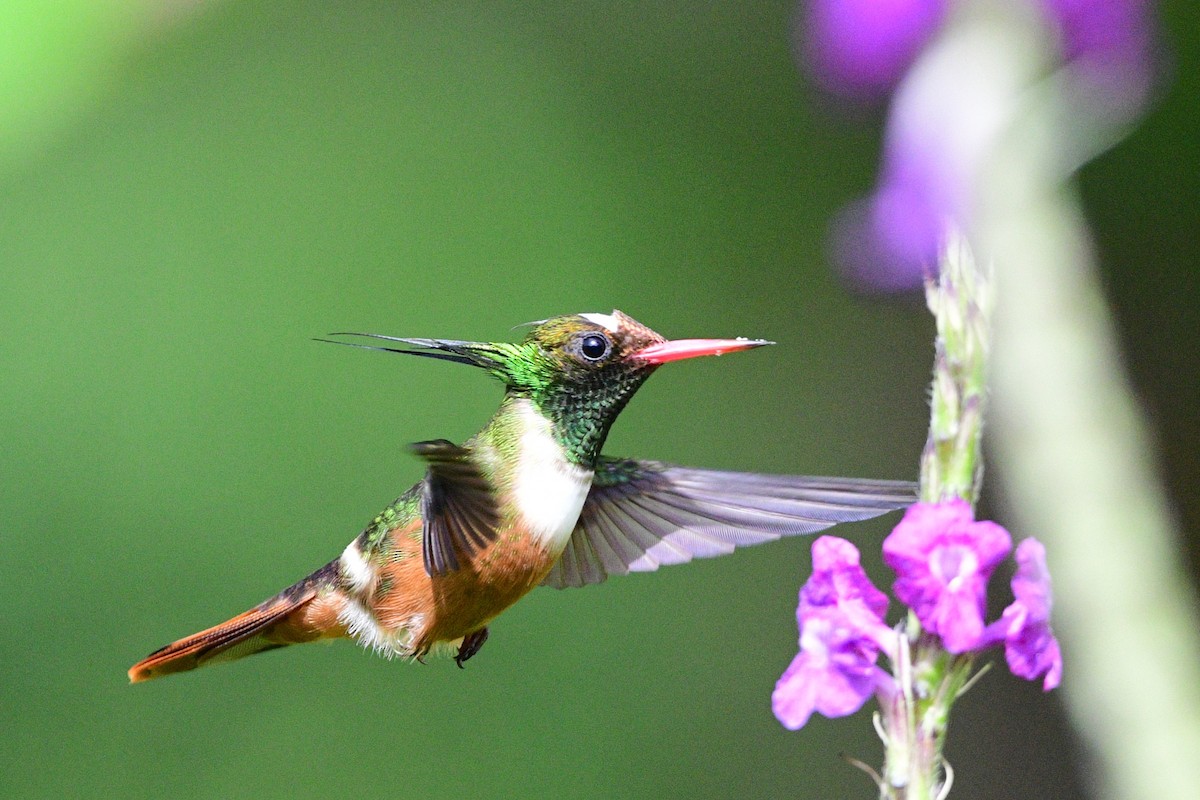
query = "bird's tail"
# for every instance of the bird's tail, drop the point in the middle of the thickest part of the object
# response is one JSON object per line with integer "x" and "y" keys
{"x": 301, "y": 613}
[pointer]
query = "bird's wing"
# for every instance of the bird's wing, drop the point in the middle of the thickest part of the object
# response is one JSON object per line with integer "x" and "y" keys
{"x": 642, "y": 514}
{"x": 458, "y": 506}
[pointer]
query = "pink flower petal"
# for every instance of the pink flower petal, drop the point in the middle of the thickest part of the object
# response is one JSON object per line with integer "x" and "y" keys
{"x": 840, "y": 616}
{"x": 943, "y": 559}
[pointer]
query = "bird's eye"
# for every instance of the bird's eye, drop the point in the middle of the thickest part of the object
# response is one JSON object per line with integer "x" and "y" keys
{"x": 594, "y": 346}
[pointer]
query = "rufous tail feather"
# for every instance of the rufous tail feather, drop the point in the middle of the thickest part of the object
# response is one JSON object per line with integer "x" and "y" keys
{"x": 297, "y": 614}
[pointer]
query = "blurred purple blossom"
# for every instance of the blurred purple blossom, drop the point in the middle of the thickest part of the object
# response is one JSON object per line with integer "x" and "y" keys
{"x": 943, "y": 559}
{"x": 842, "y": 631}
{"x": 1110, "y": 44}
{"x": 888, "y": 241}
{"x": 859, "y": 49}
{"x": 1029, "y": 644}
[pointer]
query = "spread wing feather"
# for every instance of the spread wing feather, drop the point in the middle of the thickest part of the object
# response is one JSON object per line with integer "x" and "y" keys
{"x": 458, "y": 507}
{"x": 640, "y": 515}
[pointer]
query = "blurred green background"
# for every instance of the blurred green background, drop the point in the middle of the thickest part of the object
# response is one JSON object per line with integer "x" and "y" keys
{"x": 192, "y": 192}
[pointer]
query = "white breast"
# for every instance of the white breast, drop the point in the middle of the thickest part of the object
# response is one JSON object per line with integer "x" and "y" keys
{"x": 549, "y": 491}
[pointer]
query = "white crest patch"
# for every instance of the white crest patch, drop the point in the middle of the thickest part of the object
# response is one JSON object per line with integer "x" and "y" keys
{"x": 608, "y": 321}
{"x": 549, "y": 490}
{"x": 355, "y": 569}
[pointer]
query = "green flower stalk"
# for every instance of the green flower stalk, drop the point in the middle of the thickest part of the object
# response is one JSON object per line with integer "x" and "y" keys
{"x": 928, "y": 677}
{"x": 943, "y": 559}
{"x": 961, "y": 302}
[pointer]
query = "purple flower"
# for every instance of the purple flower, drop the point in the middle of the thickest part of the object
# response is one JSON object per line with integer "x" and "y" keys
{"x": 1029, "y": 644}
{"x": 861, "y": 48}
{"x": 839, "y": 582}
{"x": 944, "y": 121}
{"x": 840, "y": 615}
{"x": 943, "y": 559}
{"x": 888, "y": 242}
{"x": 1109, "y": 44}
{"x": 834, "y": 673}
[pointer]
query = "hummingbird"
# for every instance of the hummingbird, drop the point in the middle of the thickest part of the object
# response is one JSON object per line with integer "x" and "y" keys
{"x": 529, "y": 501}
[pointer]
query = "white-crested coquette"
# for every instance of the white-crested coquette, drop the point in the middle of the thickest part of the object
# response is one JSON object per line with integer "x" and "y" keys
{"x": 530, "y": 501}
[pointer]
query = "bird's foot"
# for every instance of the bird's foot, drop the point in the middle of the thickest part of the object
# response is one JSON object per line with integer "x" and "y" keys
{"x": 470, "y": 646}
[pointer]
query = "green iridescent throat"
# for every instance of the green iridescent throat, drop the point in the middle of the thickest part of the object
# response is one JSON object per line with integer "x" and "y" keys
{"x": 580, "y": 404}
{"x": 582, "y": 415}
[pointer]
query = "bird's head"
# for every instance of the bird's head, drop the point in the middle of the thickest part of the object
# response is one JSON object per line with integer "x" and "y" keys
{"x": 579, "y": 370}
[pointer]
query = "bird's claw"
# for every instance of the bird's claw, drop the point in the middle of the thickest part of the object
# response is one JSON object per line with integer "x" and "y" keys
{"x": 470, "y": 646}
